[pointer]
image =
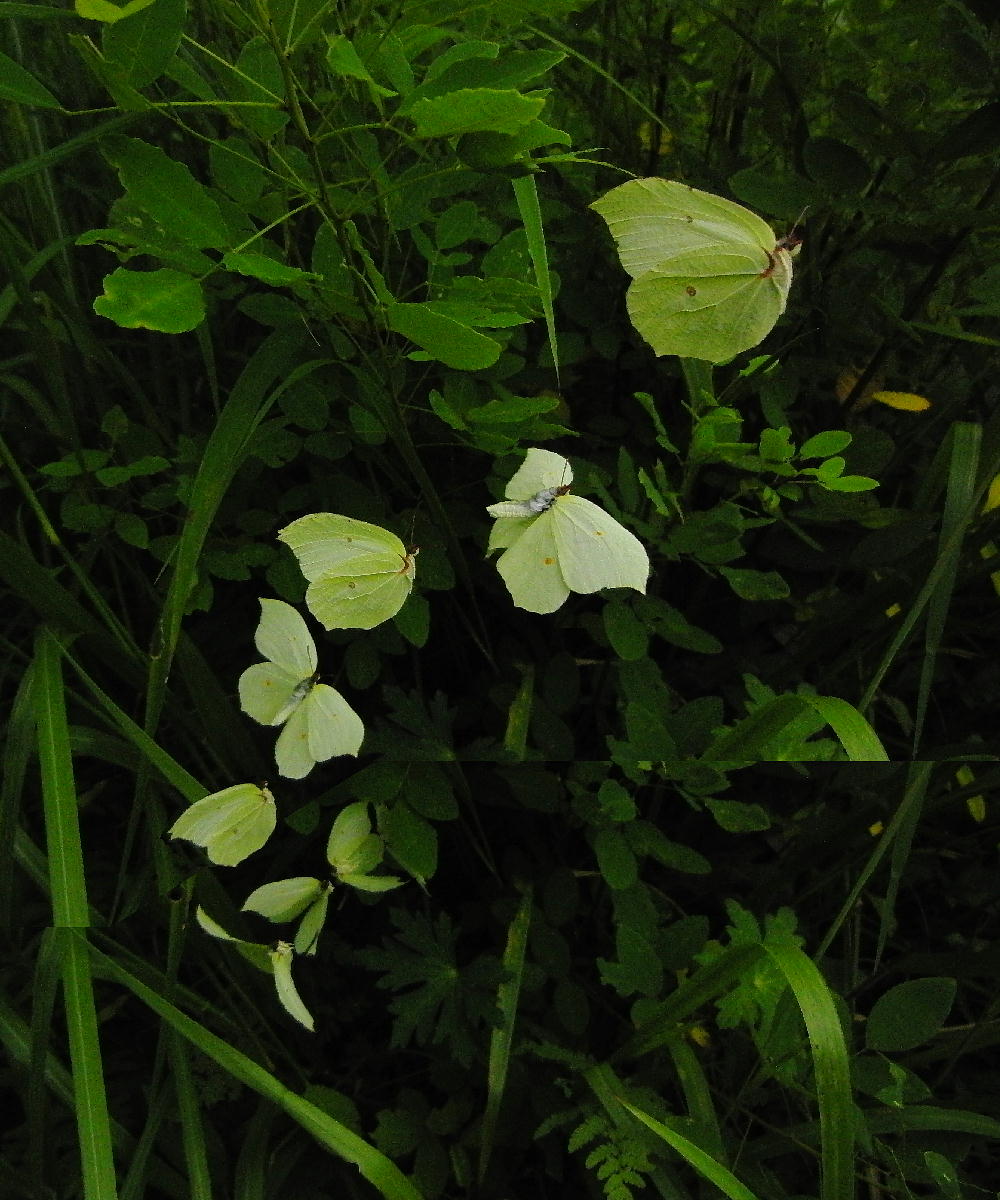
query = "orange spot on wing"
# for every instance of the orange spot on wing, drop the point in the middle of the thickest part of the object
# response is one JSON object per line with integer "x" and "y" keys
{"x": 547, "y": 562}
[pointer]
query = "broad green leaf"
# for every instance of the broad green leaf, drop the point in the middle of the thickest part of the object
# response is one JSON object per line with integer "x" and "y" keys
{"x": 755, "y": 585}
{"x": 164, "y": 300}
{"x": 258, "y": 79}
{"x": 909, "y": 1014}
{"x": 443, "y": 338}
{"x": 21, "y": 87}
{"x": 411, "y": 840}
{"x": 736, "y": 816}
{"x": 342, "y": 58}
{"x": 103, "y": 10}
{"x": 166, "y": 189}
{"x": 825, "y": 444}
{"x": 474, "y": 109}
{"x": 626, "y": 633}
{"x": 267, "y": 270}
{"x": 142, "y": 45}
{"x": 615, "y": 859}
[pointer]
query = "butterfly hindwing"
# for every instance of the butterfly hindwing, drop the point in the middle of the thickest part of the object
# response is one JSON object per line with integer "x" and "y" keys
{"x": 530, "y": 568}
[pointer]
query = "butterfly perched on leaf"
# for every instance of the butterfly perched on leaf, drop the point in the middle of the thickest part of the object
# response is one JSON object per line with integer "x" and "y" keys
{"x": 709, "y": 277}
{"x": 555, "y": 543}
{"x": 359, "y": 574}
{"x": 318, "y": 721}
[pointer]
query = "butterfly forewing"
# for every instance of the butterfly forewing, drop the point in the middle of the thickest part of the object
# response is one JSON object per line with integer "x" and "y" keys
{"x": 283, "y": 637}
{"x": 325, "y": 542}
{"x": 530, "y": 568}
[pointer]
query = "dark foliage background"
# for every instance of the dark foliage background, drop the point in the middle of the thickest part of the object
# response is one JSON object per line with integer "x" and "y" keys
{"x": 625, "y": 826}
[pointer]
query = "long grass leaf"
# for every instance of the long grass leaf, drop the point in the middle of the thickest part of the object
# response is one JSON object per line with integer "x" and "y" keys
{"x": 90, "y": 1100}
{"x": 831, "y": 1067}
{"x": 959, "y": 513}
{"x": 379, "y": 1170}
{"x": 859, "y": 740}
{"x": 703, "y": 1163}
{"x": 526, "y": 194}
{"x": 62, "y": 826}
{"x": 71, "y": 914}
{"x": 248, "y": 404}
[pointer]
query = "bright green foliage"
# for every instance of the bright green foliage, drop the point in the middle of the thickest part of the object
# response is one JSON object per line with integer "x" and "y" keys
{"x": 556, "y": 543}
{"x": 231, "y": 824}
{"x": 709, "y": 277}
{"x": 359, "y": 575}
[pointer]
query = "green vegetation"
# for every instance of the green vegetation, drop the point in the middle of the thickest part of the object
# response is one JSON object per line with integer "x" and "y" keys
{"x": 681, "y": 892}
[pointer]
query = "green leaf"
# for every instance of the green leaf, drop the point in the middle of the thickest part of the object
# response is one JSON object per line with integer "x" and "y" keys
{"x": 258, "y": 79}
{"x": 166, "y": 189}
{"x": 474, "y": 109}
{"x": 21, "y": 87}
{"x": 260, "y": 266}
{"x": 142, "y": 45}
{"x": 626, "y": 633}
{"x": 849, "y": 483}
{"x": 909, "y": 1014}
{"x": 617, "y": 863}
{"x": 342, "y": 58}
{"x": 859, "y": 740}
{"x": 164, "y": 300}
{"x": 442, "y": 337}
{"x": 103, "y": 10}
{"x": 735, "y": 816}
{"x": 835, "y": 166}
{"x": 706, "y": 1166}
{"x": 825, "y": 444}
{"x": 411, "y": 841}
{"x": 755, "y": 585}
{"x": 132, "y": 529}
